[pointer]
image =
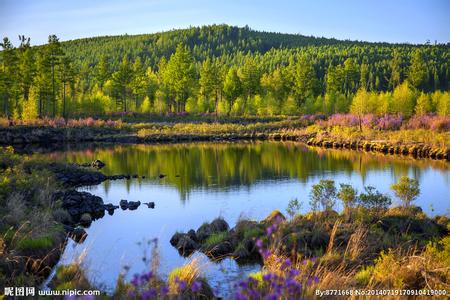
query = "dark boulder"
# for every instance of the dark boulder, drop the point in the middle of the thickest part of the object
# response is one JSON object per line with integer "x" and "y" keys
{"x": 216, "y": 226}
{"x": 220, "y": 250}
{"x": 86, "y": 219}
{"x": 191, "y": 233}
{"x": 150, "y": 204}
{"x": 110, "y": 208}
{"x": 176, "y": 238}
{"x": 123, "y": 204}
{"x": 203, "y": 232}
{"x": 132, "y": 205}
{"x": 186, "y": 245}
{"x": 78, "y": 203}
{"x": 219, "y": 225}
{"x": 74, "y": 176}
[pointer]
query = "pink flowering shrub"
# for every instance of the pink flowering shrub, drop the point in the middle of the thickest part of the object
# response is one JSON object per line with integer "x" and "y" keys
{"x": 389, "y": 122}
{"x": 343, "y": 120}
{"x": 433, "y": 122}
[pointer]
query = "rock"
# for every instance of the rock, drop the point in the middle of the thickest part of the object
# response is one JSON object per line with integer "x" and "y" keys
{"x": 219, "y": 225}
{"x": 203, "y": 232}
{"x": 132, "y": 205}
{"x": 186, "y": 245}
{"x": 222, "y": 249}
{"x": 110, "y": 208}
{"x": 79, "y": 203}
{"x": 86, "y": 219}
{"x": 150, "y": 204}
{"x": 123, "y": 204}
{"x": 191, "y": 233}
{"x": 176, "y": 238}
{"x": 97, "y": 164}
{"x": 74, "y": 175}
{"x": 78, "y": 235}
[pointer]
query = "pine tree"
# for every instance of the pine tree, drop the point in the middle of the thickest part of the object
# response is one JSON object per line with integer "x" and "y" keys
{"x": 417, "y": 73}
{"x": 55, "y": 52}
{"x": 120, "y": 81}
{"x": 9, "y": 76}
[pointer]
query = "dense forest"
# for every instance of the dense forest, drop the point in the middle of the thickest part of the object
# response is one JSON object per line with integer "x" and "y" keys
{"x": 223, "y": 70}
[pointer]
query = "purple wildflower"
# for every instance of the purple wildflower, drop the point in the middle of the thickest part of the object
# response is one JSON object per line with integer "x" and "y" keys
{"x": 136, "y": 280}
{"x": 294, "y": 272}
{"x": 164, "y": 290}
{"x": 267, "y": 277}
{"x": 243, "y": 285}
{"x": 286, "y": 264}
{"x": 149, "y": 294}
{"x": 240, "y": 296}
{"x": 259, "y": 243}
{"x": 146, "y": 276}
{"x": 182, "y": 284}
{"x": 196, "y": 286}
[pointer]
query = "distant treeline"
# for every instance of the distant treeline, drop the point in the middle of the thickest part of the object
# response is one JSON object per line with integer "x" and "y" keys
{"x": 221, "y": 69}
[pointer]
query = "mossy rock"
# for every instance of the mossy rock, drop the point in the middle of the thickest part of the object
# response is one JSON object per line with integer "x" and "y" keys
{"x": 274, "y": 217}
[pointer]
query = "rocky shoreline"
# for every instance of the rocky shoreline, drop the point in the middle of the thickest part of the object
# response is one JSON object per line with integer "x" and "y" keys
{"x": 415, "y": 150}
{"x": 22, "y": 136}
{"x": 81, "y": 209}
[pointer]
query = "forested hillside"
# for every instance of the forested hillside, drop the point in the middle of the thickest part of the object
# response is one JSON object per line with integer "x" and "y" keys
{"x": 224, "y": 70}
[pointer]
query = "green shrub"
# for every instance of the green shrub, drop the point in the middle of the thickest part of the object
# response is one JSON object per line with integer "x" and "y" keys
{"x": 215, "y": 239}
{"x": 43, "y": 242}
{"x": 323, "y": 194}
{"x": 406, "y": 189}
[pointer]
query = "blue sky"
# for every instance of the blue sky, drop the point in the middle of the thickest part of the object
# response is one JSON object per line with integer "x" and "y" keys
{"x": 413, "y": 21}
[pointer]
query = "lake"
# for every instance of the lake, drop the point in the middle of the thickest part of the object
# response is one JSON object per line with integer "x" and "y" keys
{"x": 231, "y": 180}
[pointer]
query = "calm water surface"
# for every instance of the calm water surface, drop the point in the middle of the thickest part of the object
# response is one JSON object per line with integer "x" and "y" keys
{"x": 208, "y": 180}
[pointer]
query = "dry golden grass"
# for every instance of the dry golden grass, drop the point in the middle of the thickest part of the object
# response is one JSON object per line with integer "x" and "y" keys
{"x": 188, "y": 273}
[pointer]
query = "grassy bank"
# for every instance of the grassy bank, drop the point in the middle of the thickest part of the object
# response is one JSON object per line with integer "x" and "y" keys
{"x": 34, "y": 225}
{"x": 31, "y": 232}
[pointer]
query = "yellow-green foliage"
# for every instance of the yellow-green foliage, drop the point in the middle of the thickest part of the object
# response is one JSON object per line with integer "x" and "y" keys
{"x": 386, "y": 269}
{"x": 440, "y": 251}
{"x": 363, "y": 276}
{"x": 70, "y": 277}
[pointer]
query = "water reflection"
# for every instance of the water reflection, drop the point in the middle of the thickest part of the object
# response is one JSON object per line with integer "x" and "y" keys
{"x": 226, "y": 165}
{"x": 207, "y": 180}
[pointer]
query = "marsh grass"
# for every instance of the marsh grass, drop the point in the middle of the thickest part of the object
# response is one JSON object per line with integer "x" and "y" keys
{"x": 214, "y": 239}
